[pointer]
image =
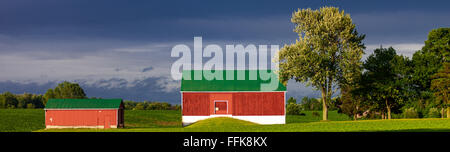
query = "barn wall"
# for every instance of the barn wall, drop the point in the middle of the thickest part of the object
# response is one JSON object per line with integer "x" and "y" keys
{"x": 80, "y": 118}
{"x": 221, "y": 96}
{"x": 239, "y": 103}
{"x": 196, "y": 104}
{"x": 121, "y": 118}
{"x": 258, "y": 103}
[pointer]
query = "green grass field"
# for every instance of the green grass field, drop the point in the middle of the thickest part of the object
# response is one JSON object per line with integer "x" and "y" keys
{"x": 26, "y": 120}
{"x": 332, "y": 116}
{"x": 152, "y": 119}
{"x": 21, "y": 120}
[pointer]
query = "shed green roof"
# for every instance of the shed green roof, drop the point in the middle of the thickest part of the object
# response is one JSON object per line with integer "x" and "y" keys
{"x": 83, "y": 104}
{"x": 230, "y": 85}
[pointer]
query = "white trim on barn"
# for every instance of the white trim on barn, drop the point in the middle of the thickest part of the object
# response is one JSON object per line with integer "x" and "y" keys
{"x": 85, "y": 109}
{"x": 273, "y": 119}
{"x": 62, "y": 127}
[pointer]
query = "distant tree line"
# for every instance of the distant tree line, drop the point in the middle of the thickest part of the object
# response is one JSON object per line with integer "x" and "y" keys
{"x": 67, "y": 90}
{"x": 26, "y": 100}
{"x": 306, "y": 104}
{"x": 146, "y": 105}
{"x": 393, "y": 85}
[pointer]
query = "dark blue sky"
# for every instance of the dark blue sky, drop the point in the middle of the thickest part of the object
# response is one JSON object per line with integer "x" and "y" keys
{"x": 177, "y": 20}
{"x": 107, "y": 44}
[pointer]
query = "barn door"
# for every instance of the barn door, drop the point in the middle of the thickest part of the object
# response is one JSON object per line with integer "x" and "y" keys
{"x": 220, "y": 107}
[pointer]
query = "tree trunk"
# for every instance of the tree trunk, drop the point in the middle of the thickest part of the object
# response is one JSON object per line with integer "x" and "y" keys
{"x": 355, "y": 117}
{"x": 388, "y": 109}
{"x": 448, "y": 112}
{"x": 324, "y": 105}
{"x": 325, "y": 110}
{"x": 382, "y": 114}
{"x": 442, "y": 112}
{"x": 389, "y": 112}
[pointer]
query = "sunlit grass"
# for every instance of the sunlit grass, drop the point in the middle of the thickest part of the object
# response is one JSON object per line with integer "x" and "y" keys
{"x": 233, "y": 125}
{"x": 25, "y": 120}
{"x": 21, "y": 120}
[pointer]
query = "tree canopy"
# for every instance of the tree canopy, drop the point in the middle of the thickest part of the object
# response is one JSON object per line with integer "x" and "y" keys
{"x": 65, "y": 90}
{"x": 386, "y": 76}
{"x": 441, "y": 86}
{"x": 327, "y": 52}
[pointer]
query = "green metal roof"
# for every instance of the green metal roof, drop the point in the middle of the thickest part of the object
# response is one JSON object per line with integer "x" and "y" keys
{"x": 83, "y": 104}
{"x": 230, "y": 85}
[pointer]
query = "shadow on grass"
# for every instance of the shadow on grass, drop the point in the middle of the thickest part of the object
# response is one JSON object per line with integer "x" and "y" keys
{"x": 419, "y": 130}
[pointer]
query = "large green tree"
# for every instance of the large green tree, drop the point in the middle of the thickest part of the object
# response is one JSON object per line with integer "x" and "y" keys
{"x": 429, "y": 59}
{"x": 65, "y": 90}
{"x": 427, "y": 62}
{"x": 386, "y": 79}
{"x": 327, "y": 52}
{"x": 439, "y": 42}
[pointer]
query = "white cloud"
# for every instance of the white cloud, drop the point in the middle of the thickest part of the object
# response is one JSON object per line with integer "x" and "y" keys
{"x": 42, "y": 63}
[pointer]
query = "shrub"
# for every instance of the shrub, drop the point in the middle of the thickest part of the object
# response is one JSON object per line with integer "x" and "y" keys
{"x": 176, "y": 107}
{"x": 316, "y": 114}
{"x": 410, "y": 113}
{"x": 30, "y": 106}
{"x": 311, "y": 104}
{"x": 293, "y": 109}
{"x": 292, "y": 100}
{"x": 433, "y": 113}
{"x": 397, "y": 116}
{"x": 140, "y": 106}
{"x": 129, "y": 105}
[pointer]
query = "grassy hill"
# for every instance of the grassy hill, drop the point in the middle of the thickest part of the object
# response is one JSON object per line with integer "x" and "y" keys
{"x": 234, "y": 125}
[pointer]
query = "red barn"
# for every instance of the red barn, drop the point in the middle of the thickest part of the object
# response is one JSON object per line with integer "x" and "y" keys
{"x": 84, "y": 113}
{"x": 251, "y": 99}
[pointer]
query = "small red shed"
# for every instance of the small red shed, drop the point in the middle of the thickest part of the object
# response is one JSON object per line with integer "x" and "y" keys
{"x": 84, "y": 113}
{"x": 246, "y": 98}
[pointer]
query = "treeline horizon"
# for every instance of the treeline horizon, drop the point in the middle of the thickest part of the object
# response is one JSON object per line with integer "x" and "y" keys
{"x": 68, "y": 90}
